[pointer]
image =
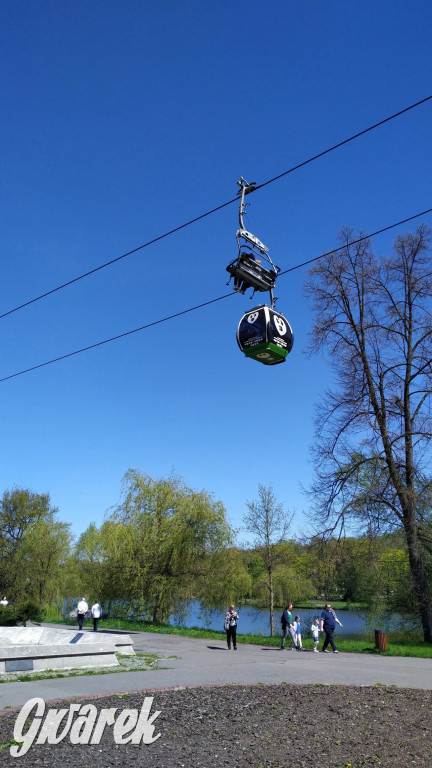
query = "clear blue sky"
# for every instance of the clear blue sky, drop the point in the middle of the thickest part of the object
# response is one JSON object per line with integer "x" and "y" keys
{"x": 121, "y": 120}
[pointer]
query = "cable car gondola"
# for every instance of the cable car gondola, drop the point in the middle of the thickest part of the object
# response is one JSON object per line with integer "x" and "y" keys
{"x": 263, "y": 333}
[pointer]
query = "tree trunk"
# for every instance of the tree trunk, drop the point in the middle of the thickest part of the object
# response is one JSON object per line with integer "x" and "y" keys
{"x": 420, "y": 581}
{"x": 156, "y": 609}
{"x": 271, "y": 590}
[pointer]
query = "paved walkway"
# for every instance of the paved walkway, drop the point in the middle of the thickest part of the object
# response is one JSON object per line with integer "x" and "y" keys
{"x": 208, "y": 662}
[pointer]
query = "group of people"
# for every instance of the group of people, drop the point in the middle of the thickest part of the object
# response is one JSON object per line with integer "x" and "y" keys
{"x": 291, "y": 625}
{"x": 326, "y": 623}
{"x": 96, "y": 613}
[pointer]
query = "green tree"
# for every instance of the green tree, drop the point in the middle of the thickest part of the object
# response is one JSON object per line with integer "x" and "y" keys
{"x": 269, "y": 525}
{"x": 161, "y": 541}
{"x": 88, "y": 571}
{"x": 45, "y": 550}
{"x": 224, "y": 580}
{"x": 374, "y": 316}
{"x": 33, "y": 546}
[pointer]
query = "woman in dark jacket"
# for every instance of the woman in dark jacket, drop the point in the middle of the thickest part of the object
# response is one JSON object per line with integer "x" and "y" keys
{"x": 231, "y": 617}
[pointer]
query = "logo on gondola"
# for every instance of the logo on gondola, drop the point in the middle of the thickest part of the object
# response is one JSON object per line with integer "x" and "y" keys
{"x": 280, "y": 325}
{"x": 252, "y": 317}
{"x": 263, "y": 355}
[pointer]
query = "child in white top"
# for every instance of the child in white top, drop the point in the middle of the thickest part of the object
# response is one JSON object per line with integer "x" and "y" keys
{"x": 315, "y": 634}
{"x": 297, "y": 630}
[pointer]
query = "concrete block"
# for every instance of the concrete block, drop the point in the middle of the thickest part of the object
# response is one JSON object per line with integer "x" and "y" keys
{"x": 48, "y": 648}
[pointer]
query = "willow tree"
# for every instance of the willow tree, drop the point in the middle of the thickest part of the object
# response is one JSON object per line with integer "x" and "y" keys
{"x": 87, "y": 571}
{"x": 373, "y": 448}
{"x": 161, "y": 541}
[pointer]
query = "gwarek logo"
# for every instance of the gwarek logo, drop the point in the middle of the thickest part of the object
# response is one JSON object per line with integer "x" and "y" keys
{"x": 130, "y": 726}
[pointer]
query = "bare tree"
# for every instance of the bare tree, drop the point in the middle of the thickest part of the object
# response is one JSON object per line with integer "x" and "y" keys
{"x": 269, "y": 526}
{"x": 373, "y": 448}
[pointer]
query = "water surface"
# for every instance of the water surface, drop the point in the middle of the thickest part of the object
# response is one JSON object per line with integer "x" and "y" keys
{"x": 256, "y": 621}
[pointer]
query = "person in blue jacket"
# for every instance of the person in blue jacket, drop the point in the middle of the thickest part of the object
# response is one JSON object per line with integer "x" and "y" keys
{"x": 328, "y": 621}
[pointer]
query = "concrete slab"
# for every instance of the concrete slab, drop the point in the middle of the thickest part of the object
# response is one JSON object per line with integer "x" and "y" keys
{"x": 123, "y": 643}
{"x": 55, "y": 648}
{"x": 41, "y": 635}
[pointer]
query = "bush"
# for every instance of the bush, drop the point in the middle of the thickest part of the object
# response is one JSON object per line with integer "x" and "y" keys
{"x": 7, "y": 616}
{"x": 29, "y": 610}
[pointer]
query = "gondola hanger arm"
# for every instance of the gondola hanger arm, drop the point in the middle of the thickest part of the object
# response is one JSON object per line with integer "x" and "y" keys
{"x": 245, "y": 189}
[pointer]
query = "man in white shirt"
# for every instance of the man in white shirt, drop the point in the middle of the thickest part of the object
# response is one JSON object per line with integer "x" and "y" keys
{"x": 82, "y": 609}
{"x": 96, "y": 612}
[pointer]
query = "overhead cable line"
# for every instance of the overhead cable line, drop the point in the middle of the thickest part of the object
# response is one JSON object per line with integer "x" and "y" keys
{"x": 207, "y": 303}
{"x": 214, "y": 210}
{"x": 115, "y": 338}
{"x": 341, "y": 143}
{"x": 354, "y": 242}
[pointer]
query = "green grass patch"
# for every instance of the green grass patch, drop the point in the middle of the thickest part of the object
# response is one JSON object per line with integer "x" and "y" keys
{"x": 11, "y": 743}
{"x": 337, "y": 605}
{"x": 140, "y": 662}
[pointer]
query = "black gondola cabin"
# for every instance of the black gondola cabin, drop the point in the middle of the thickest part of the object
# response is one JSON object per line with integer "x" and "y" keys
{"x": 265, "y": 335}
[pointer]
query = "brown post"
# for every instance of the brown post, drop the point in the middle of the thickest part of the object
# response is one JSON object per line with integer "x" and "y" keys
{"x": 380, "y": 640}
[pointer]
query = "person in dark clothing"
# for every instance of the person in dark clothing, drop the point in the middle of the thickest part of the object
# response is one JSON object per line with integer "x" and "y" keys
{"x": 287, "y": 627}
{"x": 328, "y": 623}
{"x": 231, "y": 618}
{"x": 82, "y": 609}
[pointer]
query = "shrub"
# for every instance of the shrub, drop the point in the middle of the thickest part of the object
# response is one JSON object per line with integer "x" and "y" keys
{"x": 29, "y": 610}
{"x": 7, "y": 616}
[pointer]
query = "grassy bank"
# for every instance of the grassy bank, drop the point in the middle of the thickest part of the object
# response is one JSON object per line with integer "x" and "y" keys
{"x": 399, "y": 643}
{"x": 337, "y": 605}
{"x": 140, "y": 662}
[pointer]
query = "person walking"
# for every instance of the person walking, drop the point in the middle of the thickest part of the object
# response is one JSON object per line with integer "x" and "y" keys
{"x": 328, "y": 621}
{"x": 287, "y": 620}
{"x": 297, "y": 633}
{"x": 96, "y": 612}
{"x": 82, "y": 609}
{"x": 4, "y": 600}
{"x": 315, "y": 634}
{"x": 231, "y": 618}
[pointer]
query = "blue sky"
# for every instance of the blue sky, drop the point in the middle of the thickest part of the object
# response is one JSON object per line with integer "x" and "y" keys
{"x": 122, "y": 120}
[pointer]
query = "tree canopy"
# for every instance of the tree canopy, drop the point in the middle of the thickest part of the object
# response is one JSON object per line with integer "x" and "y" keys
{"x": 34, "y": 545}
{"x": 158, "y": 546}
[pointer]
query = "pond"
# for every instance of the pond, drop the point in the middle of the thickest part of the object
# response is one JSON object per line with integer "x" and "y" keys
{"x": 256, "y": 621}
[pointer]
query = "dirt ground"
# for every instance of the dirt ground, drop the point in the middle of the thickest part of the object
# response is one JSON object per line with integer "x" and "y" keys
{"x": 264, "y": 726}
